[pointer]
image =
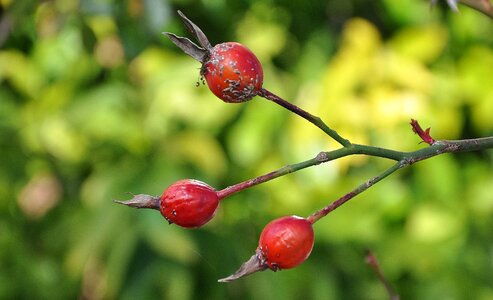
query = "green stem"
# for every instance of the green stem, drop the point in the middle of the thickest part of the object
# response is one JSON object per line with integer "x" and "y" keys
{"x": 405, "y": 158}
{"x": 358, "y": 190}
{"x": 320, "y": 158}
{"x": 372, "y": 261}
{"x": 468, "y": 145}
{"x": 439, "y": 147}
{"x": 306, "y": 115}
{"x": 272, "y": 175}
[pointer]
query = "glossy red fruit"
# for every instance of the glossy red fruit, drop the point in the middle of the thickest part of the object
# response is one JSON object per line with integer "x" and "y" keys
{"x": 233, "y": 73}
{"x": 189, "y": 203}
{"x": 286, "y": 242}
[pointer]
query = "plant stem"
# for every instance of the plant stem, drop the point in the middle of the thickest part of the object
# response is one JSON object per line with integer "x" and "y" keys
{"x": 358, "y": 190}
{"x": 405, "y": 158}
{"x": 439, "y": 147}
{"x": 468, "y": 145}
{"x": 306, "y": 115}
{"x": 320, "y": 158}
{"x": 372, "y": 261}
{"x": 483, "y": 6}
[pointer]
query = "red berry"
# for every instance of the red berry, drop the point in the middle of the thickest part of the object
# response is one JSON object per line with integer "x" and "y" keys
{"x": 189, "y": 203}
{"x": 286, "y": 242}
{"x": 233, "y": 73}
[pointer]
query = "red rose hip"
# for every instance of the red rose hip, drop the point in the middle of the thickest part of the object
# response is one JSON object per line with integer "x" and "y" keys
{"x": 286, "y": 242}
{"x": 189, "y": 203}
{"x": 233, "y": 73}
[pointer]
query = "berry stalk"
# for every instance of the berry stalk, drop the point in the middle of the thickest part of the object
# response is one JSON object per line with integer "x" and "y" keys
{"x": 322, "y": 157}
{"x": 483, "y": 6}
{"x": 317, "y": 121}
{"x": 358, "y": 190}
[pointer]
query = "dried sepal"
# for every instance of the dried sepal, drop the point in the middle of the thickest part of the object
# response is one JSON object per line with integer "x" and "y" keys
{"x": 188, "y": 47}
{"x": 141, "y": 201}
{"x": 255, "y": 264}
{"x": 196, "y": 31}
{"x": 200, "y": 53}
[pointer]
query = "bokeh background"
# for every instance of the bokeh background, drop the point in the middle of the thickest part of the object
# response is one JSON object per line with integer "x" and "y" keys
{"x": 95, "y": 103}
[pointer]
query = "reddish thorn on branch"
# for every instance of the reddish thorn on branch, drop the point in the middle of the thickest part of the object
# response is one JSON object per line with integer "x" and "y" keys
{"x": 423, "y": 134}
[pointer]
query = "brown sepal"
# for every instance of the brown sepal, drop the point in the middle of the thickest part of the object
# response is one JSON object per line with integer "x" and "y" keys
{"x": 253, "y": 265}
{"x": 141, "y": 201}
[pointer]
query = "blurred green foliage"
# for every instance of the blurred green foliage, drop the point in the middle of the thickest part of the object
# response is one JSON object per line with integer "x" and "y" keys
{"x": 95, "y": 103}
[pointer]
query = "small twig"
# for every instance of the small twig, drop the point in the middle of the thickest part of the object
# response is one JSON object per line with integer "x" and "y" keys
{"x": 403, "y": 158}
{"x": 483, "y": 6}
{"x": 5, "y": 27}
{"x": 358, "y": 190}
{"x": 372, "y": 261}
{"x": 306, "y": 115}
{"x": 438, "y": 147}
{"x": 322, "y": 157}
